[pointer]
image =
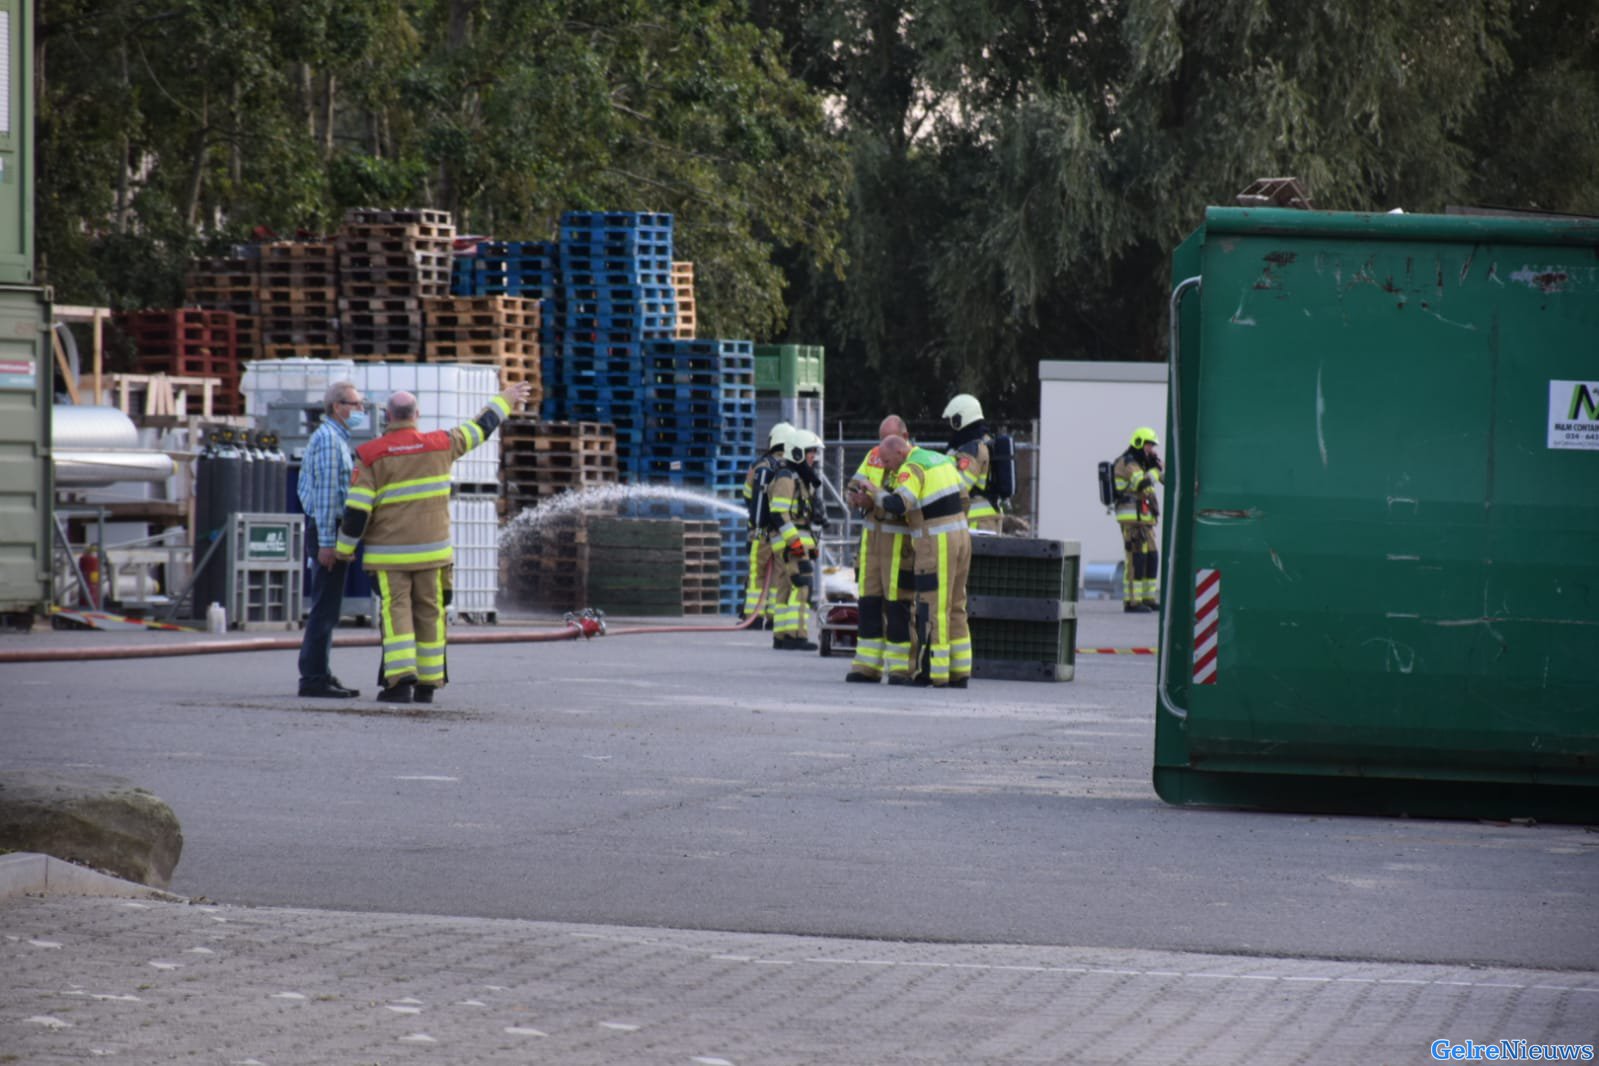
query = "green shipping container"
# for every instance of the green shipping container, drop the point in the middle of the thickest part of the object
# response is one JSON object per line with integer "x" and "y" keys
{"x": 1381, "y": 575}
{"x": 16, "y": 142}
{"x": 26, "y": 487}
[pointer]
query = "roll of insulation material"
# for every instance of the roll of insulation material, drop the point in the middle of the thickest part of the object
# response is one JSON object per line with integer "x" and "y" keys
{"x": 75, "y": 427}
{"x": 96, "y": 445}
{"x": 107, "y": 466}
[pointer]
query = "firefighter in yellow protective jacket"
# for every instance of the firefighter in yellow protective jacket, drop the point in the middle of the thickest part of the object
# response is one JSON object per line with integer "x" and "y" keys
{"x": 1137, "y": 477}
{"x": 399, "y": 505}
{"x": 792, "y": 495}
{"x": 884, "y": 571}
{"x": 927, "y": 491}
{"x": 970, "y": 448}
{"x": 757, "y": 501}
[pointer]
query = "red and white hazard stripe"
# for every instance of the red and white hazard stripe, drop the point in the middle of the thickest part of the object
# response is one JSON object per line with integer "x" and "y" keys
{"x": 1207, "y": 616}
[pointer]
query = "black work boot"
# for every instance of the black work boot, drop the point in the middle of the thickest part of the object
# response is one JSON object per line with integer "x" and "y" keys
{"x": 422, "y": 693}
{"x": 400, "y": 693}
{"x": 1135, "y": 608}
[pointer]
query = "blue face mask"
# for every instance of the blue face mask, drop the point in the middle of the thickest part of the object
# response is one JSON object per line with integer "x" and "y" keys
{"x": 356, "y": 421}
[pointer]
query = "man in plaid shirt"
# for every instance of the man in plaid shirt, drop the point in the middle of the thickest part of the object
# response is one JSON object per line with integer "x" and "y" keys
{"x": 325, "y": 475}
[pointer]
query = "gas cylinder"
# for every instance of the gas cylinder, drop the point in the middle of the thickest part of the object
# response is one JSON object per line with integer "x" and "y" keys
{"x": 89, "y": 563}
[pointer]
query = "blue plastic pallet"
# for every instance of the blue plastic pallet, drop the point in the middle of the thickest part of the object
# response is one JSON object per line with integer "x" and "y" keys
{"x": 622, "y": 220}
{"x": 638, "y": 322}
{"x": 546, "y": 251}
{"x": 612, "y": 351}
{"x": 688, "y": 370}
{"x": 612, "y": 241}
{"x": 610, "y": 277}
{"x": 668, "y": 432}
{"x": 617, "y": 259}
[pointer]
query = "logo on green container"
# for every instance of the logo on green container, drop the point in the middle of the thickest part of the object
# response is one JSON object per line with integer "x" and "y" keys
{"x": 1574, "y": 415}
{"x": 268, "y": 543}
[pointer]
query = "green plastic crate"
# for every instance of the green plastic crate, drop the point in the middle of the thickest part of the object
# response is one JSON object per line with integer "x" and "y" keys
{"x": 789, "y": 369}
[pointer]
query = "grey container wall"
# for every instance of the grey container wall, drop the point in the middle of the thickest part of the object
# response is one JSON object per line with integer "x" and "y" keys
{"x": 26, "y": 490}
{"x": 1021, "y": 605}
{"x": 16, "y": 142}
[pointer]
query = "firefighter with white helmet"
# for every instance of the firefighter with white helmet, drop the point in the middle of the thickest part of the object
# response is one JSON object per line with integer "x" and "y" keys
{"x": 792, "y": 502}
{"x": 970, "y": 446}
{"x": 1137, "y": 477}
{"x": 757, "y": 502}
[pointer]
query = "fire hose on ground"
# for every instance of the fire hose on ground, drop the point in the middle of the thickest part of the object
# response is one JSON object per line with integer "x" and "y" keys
{"x": 576, "y": 625}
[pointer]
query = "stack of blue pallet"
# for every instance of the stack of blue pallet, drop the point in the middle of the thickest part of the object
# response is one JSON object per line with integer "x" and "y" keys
{"x": 684, "y": 410}
{"x": 615, "y": 293}
{"x": 529, "y": 269}
{"x": 699, "y": 401}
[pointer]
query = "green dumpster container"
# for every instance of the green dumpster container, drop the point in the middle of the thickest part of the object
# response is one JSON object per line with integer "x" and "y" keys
{"x": 1381, "y": 577}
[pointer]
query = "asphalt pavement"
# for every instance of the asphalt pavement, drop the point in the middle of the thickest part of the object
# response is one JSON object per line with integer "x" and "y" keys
{"x": 811, "y": 874}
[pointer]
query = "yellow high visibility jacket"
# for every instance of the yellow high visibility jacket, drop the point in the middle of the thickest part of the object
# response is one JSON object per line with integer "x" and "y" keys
{"x": 399, "y": 502}
{"x": 972, "y": 459}
{"x": 927, "y": 490}
{"x": 871, "y": 472}
{"x": 1137, "y": 493}
{"x": 792, "y": 507}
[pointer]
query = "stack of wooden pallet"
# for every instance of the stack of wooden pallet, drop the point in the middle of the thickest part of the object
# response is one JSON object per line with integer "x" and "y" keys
{"x": 228, "y": 283}
{"x": 683, "y": 287}
{"x": 188, "y": 343}
{"x": 546, "y": 566}
{"x": 298, "y": 288}
{"x": 389, "y": 261}
{"x": 542, "y": 460}
{"x": 500, "y": 331}
{"x": 702, "y": 567}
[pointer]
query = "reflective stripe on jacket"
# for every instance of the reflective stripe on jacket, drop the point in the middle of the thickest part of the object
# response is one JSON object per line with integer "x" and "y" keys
{"x": 399, "y": 504}
{"x": 872, "y": 471}
{"x": 1135, "y": 489}
{"x": 930, "y": 485}
{"x": 790, "y": 501}
{"x": 972, "y": 460}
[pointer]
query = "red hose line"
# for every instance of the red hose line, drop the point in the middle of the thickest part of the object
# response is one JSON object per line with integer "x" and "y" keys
{"x": 349, "y": 640}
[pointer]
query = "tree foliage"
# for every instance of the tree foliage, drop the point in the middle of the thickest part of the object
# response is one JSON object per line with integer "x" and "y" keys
{"x": 943, "y": 192}
{"x": 229, "y": 115}
{"x": 1022, "y": 170}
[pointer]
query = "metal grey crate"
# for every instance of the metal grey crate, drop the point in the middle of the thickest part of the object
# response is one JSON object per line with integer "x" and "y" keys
{"x": 265, "y": 560}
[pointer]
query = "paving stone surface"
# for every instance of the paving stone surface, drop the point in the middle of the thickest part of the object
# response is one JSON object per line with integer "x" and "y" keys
{"x": 147, "y": 982}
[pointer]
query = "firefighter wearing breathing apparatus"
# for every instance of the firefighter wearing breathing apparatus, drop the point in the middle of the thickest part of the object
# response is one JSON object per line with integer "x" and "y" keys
{"x": 971, "y": 449}
{"x": 884, "y": 570}
{"x": 757, "y": 499}
{"x": 1136, "y": 477}
{"x": 792, "y": 496}
{"x": 927, "y": 491}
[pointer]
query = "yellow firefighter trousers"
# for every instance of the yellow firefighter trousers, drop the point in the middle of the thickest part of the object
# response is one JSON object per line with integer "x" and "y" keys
{"x": 942, "y": 564}
{"x": 411, "y": 616}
